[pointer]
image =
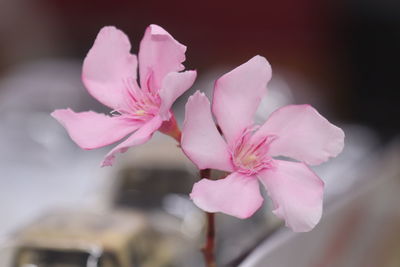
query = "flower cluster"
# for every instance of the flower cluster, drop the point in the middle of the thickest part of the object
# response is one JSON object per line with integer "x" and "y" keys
{"x": 110, "y": 75}
{"x": 232, "y": 143}
{"x": 247, "y": 151}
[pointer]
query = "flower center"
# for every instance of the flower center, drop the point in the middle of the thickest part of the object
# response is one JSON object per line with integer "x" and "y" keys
{"x": 140, "y": 112}
{"x": 251, "y": 156}
{"x": 141, "y": 104}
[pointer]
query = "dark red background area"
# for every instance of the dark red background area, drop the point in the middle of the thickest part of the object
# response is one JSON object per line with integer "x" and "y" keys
{"x": 295, "y": 35}
{"x": 293, "y": 32}
{"x": 347, "y": 50}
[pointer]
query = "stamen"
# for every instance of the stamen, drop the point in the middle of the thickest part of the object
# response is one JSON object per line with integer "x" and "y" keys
{"x": 140, "y": 112}
{"x": 250, "y": 156}
{"x": 139, "y": 104}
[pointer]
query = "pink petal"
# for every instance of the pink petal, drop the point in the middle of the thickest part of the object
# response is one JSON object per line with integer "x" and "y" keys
{"x": 201, "y": 140}
{"x": 296, "y": 192}
{"x": 173, "y": 86}
{"x": 108, "y": 65}
{"x": 237, "y": 95}
{"x": 91, "y": 130}
{"x": 142, "y": 135}
{"x": 303, "y": 134}
{"x": 236, "y": 195}
{"x": 159, "y": 55}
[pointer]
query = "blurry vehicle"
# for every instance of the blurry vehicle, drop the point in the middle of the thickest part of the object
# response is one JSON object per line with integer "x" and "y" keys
{"x": 84, "y": 239}
{"x": 156, "y": 179}
{"x": 150, "y": 174}
{"x": 146, "y": 187}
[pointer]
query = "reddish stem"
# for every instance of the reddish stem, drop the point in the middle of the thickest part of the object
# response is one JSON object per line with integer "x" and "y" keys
{"x": 209, "y": 246}
{"x": 171, "y": 128}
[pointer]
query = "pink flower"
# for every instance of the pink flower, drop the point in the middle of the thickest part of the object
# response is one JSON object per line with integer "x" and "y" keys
{"x": 109, "y": 74}
{"x": 247, "y": 151}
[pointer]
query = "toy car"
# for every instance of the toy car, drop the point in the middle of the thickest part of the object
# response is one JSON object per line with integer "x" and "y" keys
{"x": 86, "y": 239}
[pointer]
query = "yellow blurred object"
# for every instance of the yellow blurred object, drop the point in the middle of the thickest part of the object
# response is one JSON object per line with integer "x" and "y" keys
{"x": 75, "y": 239}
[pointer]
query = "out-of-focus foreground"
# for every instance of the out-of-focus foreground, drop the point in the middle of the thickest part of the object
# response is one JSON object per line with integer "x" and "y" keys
{"x": 59, "y": 208}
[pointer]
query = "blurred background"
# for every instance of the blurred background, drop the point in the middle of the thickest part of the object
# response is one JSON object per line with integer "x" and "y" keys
{"x": 339, "y": 56}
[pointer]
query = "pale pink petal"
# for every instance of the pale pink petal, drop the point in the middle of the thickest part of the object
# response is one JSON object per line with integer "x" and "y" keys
{"x": 201, "y": 140}
{"x": 107, "y": 67}
{"x": 173, "y": 86}
{"x": 296, "y": 192}
{"x": 302, "y": 134}
{"x": 159, "y": 54}
{"x": 91, "y": 130}
{"x": 237, "y": 95}
{"x": 142, "y": 135}
{"x": 236, "y": 195}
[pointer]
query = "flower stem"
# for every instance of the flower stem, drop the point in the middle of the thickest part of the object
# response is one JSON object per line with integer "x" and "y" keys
{"x": 209, "y": 246}
{"x": 171, "y": 128}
